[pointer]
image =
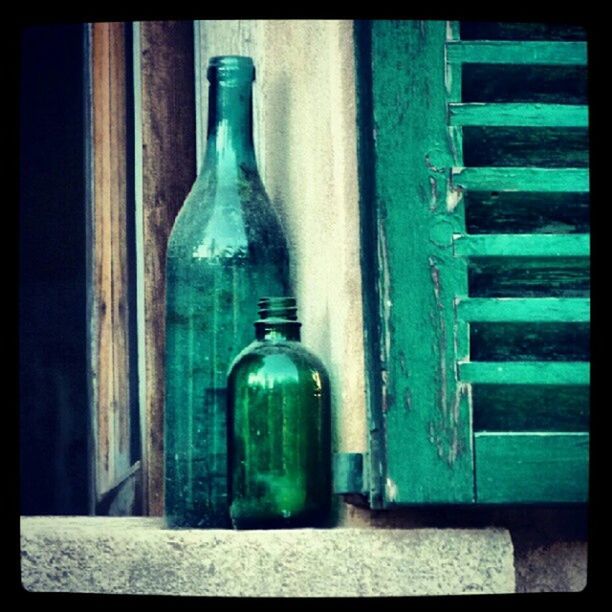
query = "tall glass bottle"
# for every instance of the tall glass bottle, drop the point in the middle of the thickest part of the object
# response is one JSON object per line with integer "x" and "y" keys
{"x": 279, "y": 427}
{"x": 226, "y": 248}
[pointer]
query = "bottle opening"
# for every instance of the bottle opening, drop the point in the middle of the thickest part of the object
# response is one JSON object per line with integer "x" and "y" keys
{"x": 277, "y": 308}
{"x": 231, "y": 67}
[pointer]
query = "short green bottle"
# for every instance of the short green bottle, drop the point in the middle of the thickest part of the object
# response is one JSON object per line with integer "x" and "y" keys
{"x": 279, "y": 427}
{"x": 226, "y": 247}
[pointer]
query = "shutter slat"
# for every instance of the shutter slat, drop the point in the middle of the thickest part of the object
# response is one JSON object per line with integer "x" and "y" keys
{"x": 531, "y": 467}
{"x": 544, "y": 180}
{"x": 519, "y": 115}
{"x": 525, "y": 372}
{"x": 534, "y": 310}
{"x": 522, "y": 245}
{"x": 518, "y": 52}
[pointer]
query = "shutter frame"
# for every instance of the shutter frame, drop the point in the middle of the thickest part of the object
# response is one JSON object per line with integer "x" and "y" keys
{"x": 421, "y": 407}
{"x": 404, "y": 470}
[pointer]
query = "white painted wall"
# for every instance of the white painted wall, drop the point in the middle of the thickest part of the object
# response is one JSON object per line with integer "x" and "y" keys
{"x": 305, "y": 139}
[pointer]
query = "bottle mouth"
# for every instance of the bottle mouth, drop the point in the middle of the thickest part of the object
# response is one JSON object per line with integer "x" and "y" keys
{"x": 231, "y": 67}
{"x": 277, "y": 308}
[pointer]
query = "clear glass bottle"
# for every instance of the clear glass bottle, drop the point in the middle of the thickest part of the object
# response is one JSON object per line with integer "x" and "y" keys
{"x": 279, "y": 427}
{"x": 226, "y": 248}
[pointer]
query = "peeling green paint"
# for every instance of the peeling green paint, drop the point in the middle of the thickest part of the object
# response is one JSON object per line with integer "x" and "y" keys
{"x": 481, "y": 274}
{"x": 428, "y": 438}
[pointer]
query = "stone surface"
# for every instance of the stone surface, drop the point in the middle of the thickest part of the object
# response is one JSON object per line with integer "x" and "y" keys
{"x": 550, "y": 544}
{"x": 556, "y": 567}
{"x": 138, "y": 556}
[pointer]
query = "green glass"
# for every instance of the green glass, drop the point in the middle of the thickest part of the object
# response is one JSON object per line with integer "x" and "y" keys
{"x": 225, "y": 249}
{"x": 279, "y": 427}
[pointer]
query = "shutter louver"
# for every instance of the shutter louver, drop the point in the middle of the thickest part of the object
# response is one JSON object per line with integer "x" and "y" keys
{"x": 513, "y": 465}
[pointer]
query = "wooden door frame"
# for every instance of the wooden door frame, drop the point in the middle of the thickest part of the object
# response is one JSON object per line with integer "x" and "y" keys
{"x": 140, "y": 164}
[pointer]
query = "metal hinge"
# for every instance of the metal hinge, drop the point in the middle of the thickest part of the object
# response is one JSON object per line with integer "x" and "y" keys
{"x": 351, "y": 478}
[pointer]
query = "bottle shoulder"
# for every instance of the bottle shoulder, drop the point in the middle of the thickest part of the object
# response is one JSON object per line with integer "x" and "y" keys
{"x": 229, "y": 219}
{"x": 264, "y": 355}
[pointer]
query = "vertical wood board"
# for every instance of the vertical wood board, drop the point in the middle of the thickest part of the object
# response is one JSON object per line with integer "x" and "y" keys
{"x": 426, "y": 409}
{"x": 108, "y": 302}
{"x": 168, "y": 170}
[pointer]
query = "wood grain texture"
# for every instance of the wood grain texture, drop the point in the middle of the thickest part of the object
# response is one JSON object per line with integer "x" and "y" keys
{"x": 108, "y": 310}
{"x": 168, "y": 171}
{"x": 532, "y": 467}
{"x": 518, "y": 52}
{"x": 525, "y": 372}
{"x": 425, "y": 407}
{"x": 519, "y": 114}
{"x": 543, "y": 180}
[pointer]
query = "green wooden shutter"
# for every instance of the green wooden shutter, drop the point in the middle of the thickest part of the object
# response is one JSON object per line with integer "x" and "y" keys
{"x": 475, "y": 202}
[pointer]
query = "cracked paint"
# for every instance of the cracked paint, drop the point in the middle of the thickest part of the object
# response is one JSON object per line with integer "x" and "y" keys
{"x": 454, "y": 195}
{"x": 391, "y": 491}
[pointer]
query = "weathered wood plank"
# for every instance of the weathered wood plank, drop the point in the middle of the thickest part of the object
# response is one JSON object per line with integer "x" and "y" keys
{"x": 518, "y": 52}
{"x": 108, "y": 309}
{"x": 543, "y": 180}
{"x": 519, "y": 114}
{"x": 525, "y": 372}
{"x": 567, "y": 310}
{"x": 426, "y": 409}
{"x": 119, "y": 240}
{"x": 531, "y": 467}
{"x": 522, "y": 245}
{"x": 167, "y": 136}
{"x": 375, "y": 459}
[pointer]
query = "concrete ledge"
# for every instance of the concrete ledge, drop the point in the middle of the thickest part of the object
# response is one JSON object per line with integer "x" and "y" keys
{"x": 137, "y": 555}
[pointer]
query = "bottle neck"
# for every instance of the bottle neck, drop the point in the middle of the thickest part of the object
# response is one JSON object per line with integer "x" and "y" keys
{"x": 266, "y": 330}
{"x": 229, "y": 142}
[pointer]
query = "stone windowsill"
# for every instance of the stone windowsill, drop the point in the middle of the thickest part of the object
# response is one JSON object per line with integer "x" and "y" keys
{"x": 138, "y": 555}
